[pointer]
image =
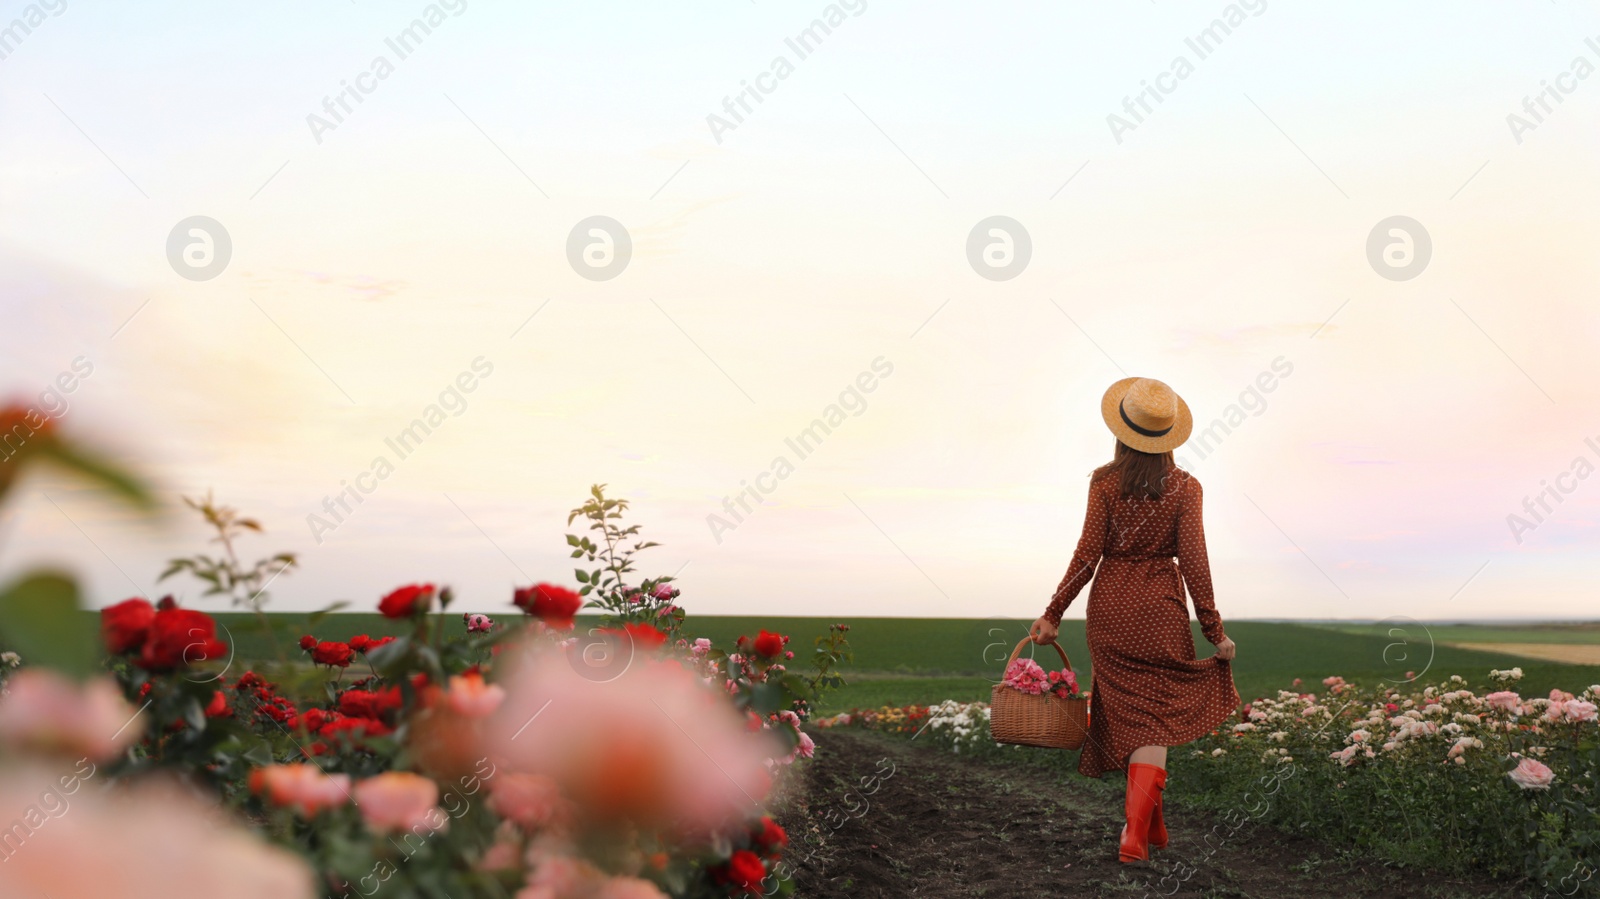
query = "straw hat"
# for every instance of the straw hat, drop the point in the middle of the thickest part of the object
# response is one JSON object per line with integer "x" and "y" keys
{"x": 1146, "y": 415}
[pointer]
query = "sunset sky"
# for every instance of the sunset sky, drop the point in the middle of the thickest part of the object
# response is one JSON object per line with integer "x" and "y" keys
{"x": 819, "y": 239}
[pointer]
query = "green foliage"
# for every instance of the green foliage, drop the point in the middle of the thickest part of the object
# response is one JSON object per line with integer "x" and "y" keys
{"x": 40, "y": 612}
{"x": 225, "y": 574}
{"x": 607, "y": 586}
{"x": 832, "y": 651}
{"x": 1410, "y": 802}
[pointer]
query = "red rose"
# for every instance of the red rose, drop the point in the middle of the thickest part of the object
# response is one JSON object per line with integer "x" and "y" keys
{"x": 369, "y": 704}
{"x": 769, "y": 644}
{"x": 744, "y": 869}
{"x": 125, "y": 624}
{"x": 375, "y": 644}
{"x": 407, "y": 601}
{"x": 218, "y": 705}
{"x": 355, "y": 727}
{"x": 361, "y": 643}
{"x": 313, "y": 719}
{"x": 308, "y": 642}
{"x": 770, "y": 838}
{"x": 553, "y": 605}
{"x": 180, "y": 637}
{"x": 332, "y": 654}
{"x": 643, "y": 635}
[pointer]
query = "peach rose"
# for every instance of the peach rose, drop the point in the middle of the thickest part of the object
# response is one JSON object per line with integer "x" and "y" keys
{"x": 305, "y": 788}
{"x": 530, "y": 800}
{"x": 471, "y": 697}
{"x": 47, "y": 712}
{"x": 639, "y": 743}
{"x": 1505, "y": 701}
{"x": 400, "y": 800}
{"x": 1580, "y": 710}
{"x": 1532, "y": 775}
{"x": 153, "y": 841}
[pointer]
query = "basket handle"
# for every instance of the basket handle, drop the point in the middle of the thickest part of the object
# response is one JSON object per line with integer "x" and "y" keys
{"x": 1026, "y": 640}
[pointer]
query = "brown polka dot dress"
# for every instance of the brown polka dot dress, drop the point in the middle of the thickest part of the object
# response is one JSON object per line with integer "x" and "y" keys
{"x": 1148, "y": 687}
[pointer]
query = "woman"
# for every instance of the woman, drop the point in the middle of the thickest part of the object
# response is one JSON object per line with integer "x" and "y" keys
{"x": 1149, "y": 692}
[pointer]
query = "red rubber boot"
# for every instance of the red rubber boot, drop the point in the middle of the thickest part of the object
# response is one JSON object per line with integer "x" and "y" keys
{"x": 1144, "y": 786}
{"x": 1158, "y": 825}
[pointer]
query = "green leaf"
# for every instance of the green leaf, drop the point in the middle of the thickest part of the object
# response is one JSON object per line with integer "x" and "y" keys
{"x": 316, "y": 617}
{"x": 39, "y": 615}
{"x": 388, "y": 658}
{"x": 99, "y": 471}
{"x": 766, "y": 698}
{"x": 583, "y": 576}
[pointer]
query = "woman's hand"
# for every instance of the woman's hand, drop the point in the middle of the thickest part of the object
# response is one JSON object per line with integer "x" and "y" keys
{"x": 1225, "y": 649}
{"x": 1043, "y": 631}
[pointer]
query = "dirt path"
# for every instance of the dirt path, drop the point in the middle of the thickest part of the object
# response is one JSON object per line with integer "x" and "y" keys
{"x": 882, "y": 817}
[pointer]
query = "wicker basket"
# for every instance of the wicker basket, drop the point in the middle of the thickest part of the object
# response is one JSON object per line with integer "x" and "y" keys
{"x": 1045, "y": 720}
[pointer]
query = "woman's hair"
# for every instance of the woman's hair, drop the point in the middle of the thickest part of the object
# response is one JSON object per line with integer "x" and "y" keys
{"x": 1139, "y": 474}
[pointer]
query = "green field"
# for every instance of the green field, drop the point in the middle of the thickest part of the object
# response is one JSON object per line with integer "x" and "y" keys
{"x": 922, "y": 660}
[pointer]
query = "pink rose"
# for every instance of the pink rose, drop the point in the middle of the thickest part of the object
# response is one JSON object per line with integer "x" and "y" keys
{"x": 139, "y": 840}
{"x": 46, "y": 712}
{"x": 503, "y": 855}
{"x": 531, "y": 801}
{"x": 1025, "y": 676}
{"x": 1532, "y": 775}
{"x": 305, "y": 788}
{"x": 400, "y": 800}
{"x": 471, "y": 697}
{"x": 1505, "y": 701}
{"x": 1579, "y": 710}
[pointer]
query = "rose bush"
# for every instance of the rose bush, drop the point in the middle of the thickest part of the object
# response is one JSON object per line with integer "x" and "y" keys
{"x": 1438, "y": 777}
{"x": 501, "y": 759}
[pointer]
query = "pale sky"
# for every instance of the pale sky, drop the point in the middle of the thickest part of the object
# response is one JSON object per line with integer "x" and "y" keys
{"x": 777, "y": 258}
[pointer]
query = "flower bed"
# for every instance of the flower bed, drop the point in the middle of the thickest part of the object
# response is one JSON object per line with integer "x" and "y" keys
{"x": 504, "y": 759}
{"x": 1436, "y": 777}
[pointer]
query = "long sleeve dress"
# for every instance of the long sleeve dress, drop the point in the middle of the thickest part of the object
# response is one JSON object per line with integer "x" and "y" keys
{"x": 1149, "y": 689}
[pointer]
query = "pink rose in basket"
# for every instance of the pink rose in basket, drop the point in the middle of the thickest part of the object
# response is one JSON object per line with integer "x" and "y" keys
{"x": 1025, "y": 676}
{"x": 1064, "y": 683}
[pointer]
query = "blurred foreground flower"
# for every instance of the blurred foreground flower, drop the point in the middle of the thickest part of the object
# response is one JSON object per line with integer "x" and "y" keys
{"x": 400, "y": 800}
{"x": 46, "y": 712}
{"x": 151, "y": 842}
{"x": 652, "y": 746}
{"x": 305, "y": 788}
{"x": 560, "y": 876}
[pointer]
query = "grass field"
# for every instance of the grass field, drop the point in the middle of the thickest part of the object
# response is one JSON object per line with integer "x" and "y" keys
{"x": 905, "y": 660}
